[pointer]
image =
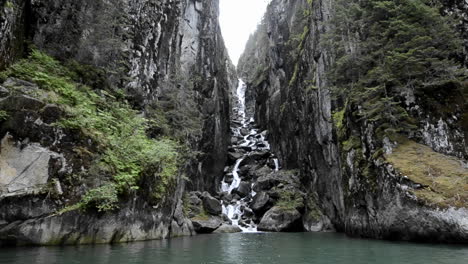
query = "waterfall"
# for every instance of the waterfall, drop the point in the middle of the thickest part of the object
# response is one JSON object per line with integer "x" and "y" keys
{"x": 250, "y": 140}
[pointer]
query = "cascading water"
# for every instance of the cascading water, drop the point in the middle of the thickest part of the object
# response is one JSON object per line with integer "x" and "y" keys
{"x": 251, "y": 140}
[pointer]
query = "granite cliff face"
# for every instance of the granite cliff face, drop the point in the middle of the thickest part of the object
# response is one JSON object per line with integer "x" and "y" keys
{"x": 381, "y": 188}
{"x": 165, "y": 56}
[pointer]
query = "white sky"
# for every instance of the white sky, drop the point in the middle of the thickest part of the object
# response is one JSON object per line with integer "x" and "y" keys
{"x": 238, "y": 19}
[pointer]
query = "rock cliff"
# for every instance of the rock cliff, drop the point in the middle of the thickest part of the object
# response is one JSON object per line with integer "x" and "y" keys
{"x": 368, "y": 185}
{"x": 164, "y": 59}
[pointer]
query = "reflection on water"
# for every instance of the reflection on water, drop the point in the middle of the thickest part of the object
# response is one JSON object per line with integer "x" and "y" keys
{"x": 269, "y": 248}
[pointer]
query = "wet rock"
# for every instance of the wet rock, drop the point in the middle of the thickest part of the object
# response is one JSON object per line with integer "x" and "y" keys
{"x": 278, "y": 219}
{"x": 248, "y": 213}
{"x": 260, "y": 203}
{"x": 226, "y": 197}
{"x": 228, "y": 178}
{"x": 234, "y": 140}
{"x": 204, "y": 225}
{"x": 212, "y": 205}
{"x": 226, "y": 219}
{"x": 224, "y": 229}
{"x": 235, "y": 197}
{"x": 246, "y": 148}
{"x": 243, "y": 190}
{"x": 233, "y": 157}
{"x": 244, "y": 131}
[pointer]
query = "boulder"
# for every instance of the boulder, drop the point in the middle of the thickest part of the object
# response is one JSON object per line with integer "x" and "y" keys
{"x": 260, "y": 171}
{"x": 243, "y": 190}
{"x": 212, "y": 205}
{"x": 205, "y": 225}
{"x": 15, "y": 103}
{"x": 244, "y": 131}
{"x": 266, "y": 183}
{"x": 234, "y": 140}
{"x": 279, "y": 219}
{"x": 248, "y": 213}
{"x": 224, "y": 229}
{"x": 233, "y": 157}
{"x": 226, "y": 197}
{"x": 260, "y": 203}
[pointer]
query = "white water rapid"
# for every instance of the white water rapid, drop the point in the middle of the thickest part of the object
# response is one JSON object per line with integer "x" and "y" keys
{"x": 248, "y": 140}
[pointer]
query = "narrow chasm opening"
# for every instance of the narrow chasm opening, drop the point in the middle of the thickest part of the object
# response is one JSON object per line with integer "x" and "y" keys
{"x": 255, "y": 195}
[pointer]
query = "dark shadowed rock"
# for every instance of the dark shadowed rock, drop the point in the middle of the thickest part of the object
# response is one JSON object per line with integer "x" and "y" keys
{"x": 228, "y": 178}
{"x": 233, "y": 157}
{"x": 260, "y": 202}
{"x": 243, "y": 190}
{"x": 212, "y": 205}
{"x": 278, "y": 219}
{"x": 15, "y": 103}
{"x": 206, "y": 225}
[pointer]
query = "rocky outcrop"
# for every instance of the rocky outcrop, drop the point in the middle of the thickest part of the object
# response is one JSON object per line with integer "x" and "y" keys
{"x": 286, "y": 66}
{"x": 167, "y": 56}
{"x": 278, "y": 219}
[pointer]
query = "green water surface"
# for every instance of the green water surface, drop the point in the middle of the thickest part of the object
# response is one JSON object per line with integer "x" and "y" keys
{"x": 268, "y": 248}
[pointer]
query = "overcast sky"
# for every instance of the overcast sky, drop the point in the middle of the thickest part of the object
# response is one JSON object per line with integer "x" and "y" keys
{"x": 239, "y": 18}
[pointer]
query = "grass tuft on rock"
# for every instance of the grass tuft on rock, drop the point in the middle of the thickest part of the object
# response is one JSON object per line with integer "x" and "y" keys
{"x": 445, "y": 179}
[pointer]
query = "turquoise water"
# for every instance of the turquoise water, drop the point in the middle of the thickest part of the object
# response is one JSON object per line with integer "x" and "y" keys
{"x": 266, "y": 248}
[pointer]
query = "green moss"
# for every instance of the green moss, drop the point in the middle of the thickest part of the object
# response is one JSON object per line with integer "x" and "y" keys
{"x": 9, "y": 4}
{"x": 289, "y": 200}
{"x": 3, "y": 115}
{"x": 338, "y": 118}
{"x": 352, "y": 143}
{"x": 444, "y": 177}
{"x": 298, "y": 52}
{"x": 202, "y": 216}
{"x": 118, "y": 130}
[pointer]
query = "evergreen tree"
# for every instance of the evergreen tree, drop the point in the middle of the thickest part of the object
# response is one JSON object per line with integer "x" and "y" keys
{"x": 386, "y": 47}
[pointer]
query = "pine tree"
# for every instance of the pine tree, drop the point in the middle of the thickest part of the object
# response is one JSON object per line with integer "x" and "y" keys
{"x": 386, "y": 48}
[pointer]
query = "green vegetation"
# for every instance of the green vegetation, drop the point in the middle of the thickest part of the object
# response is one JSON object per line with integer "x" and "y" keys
{"x": 3, "y": 115}
{"x": 396, "y": 46}
{"x": 444, "y": 178}
{"x": 290, "y": 200}
{"x": 9, "y": 4}
{"x": 202, "y": 216}
{"x": 103, "y": 198}
{"x": 125, "y": 150}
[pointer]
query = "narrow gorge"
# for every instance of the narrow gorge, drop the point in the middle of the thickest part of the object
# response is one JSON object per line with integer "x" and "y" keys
{"x": 126, "y": 120}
